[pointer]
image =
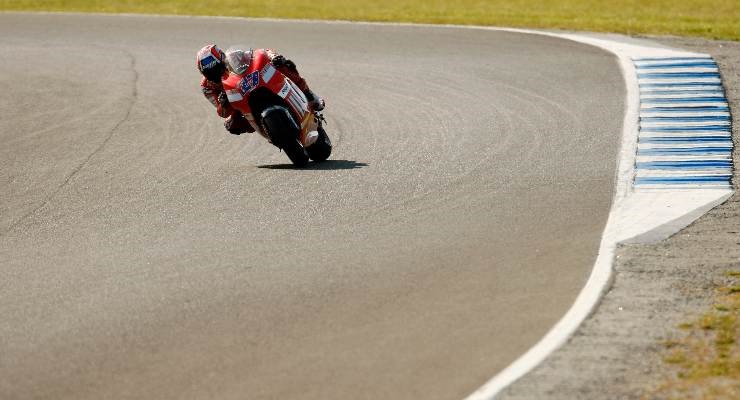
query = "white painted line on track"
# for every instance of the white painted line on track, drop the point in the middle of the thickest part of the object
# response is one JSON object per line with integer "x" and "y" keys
{"x": 694, "y": 173}
{"x": 678, "y": 187}
{"x": 686, "y": 146}
{"x": 684, "y": 70}
{"x": 667, "y": 89}
{"x": 659, "y": 103}
{"x": 651, "y": 135}
{"x": 647, "y": 113}
{"x": 657, "y": 134}
{"x": 698, "y": 157}
{"x": 677, "y": 62}
{"x": 682, "y": 95}
{"x": 648, "y": 125}
{"x": 673, "y": 80}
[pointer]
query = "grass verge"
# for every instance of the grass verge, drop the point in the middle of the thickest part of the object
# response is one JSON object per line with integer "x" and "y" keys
{"x": 706, "y": 362}
{"x": 716, "y": 19}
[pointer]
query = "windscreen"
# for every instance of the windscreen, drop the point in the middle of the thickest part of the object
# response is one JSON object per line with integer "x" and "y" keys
{"x": 238, "y": 61}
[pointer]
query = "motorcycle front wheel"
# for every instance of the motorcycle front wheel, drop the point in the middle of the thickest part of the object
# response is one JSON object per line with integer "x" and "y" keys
{"x": 321, "y": 150}
{"x": 284, "y": 132}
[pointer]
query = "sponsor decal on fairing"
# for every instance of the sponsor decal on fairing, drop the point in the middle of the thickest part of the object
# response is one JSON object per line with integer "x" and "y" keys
{"x": 285, "y": 90}
{"x": 267, "y": 73}
{"x": 234, "y": 96}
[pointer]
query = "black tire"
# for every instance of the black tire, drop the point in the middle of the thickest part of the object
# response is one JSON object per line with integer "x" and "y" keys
{"x": 321, "y": 150}
{"x": 284, "y": 133}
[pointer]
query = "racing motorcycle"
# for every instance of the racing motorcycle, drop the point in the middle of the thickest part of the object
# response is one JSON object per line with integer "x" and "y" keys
{"x": 275, "y": 106}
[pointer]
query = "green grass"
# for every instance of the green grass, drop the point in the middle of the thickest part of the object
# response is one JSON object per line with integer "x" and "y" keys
{"x": 705, "y": 361}
{"x": 718, "y": 19}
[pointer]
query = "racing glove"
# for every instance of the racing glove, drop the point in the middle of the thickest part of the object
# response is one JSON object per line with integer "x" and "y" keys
{"x": 280, "y": 61}
{"x": 223, "y": 108}
{"x": 315, "y": 102}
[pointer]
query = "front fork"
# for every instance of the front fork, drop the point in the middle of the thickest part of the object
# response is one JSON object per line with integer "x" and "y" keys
{"x": 319, "y": 118}
{"x": 313, "y": 135}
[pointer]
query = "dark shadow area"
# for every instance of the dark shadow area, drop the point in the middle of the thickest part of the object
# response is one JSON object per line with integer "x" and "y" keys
{"x": 324, "y": 165}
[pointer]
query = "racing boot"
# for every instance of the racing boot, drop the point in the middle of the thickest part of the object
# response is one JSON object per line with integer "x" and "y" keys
{"x": 236, "y": 124}
{"x": 315, "y": 102}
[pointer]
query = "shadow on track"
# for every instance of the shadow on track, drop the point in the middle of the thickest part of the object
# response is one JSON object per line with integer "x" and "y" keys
{"x": 320, "y": 166}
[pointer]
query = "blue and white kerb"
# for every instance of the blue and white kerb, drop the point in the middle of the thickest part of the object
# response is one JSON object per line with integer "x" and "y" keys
{"x": 685, "y": 138}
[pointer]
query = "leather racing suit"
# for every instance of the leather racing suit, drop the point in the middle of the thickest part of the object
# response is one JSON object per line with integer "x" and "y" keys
{"x": 235, "y": 122}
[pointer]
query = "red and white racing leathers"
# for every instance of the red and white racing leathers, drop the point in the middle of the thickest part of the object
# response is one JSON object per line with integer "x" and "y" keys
{"x": 235, "y": 122}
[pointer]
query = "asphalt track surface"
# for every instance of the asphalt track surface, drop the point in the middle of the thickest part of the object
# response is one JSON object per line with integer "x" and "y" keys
{"x": 147, "y": 253}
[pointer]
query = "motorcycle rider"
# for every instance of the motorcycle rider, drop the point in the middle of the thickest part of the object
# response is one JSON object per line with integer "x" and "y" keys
{"x": 211, "y": 64}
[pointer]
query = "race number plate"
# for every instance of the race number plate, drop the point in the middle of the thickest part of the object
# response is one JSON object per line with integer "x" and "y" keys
{"x": 250, "y": 82}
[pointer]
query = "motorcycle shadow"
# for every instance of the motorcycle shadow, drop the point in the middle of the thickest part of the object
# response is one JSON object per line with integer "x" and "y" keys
{"x": 319, "y": 166}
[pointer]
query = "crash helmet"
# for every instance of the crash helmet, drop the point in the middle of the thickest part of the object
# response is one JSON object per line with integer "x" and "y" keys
{"x": 211, "y": 62}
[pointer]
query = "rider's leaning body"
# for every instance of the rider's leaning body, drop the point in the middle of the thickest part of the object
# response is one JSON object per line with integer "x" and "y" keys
{"x": 211, "y": 62}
